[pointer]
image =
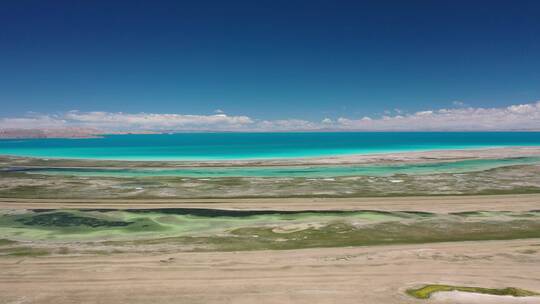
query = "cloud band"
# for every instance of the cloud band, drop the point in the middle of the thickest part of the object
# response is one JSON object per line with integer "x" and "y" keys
{"x": 514, "y": 117}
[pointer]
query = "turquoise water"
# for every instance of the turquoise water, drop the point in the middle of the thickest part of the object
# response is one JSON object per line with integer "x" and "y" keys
{"x": 227, "y": 146}
{"x": 298, "y": 171}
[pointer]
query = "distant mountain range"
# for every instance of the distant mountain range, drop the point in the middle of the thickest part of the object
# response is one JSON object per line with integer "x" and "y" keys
{"x": 65, "y": 133}
{"x": 50, "y": 133}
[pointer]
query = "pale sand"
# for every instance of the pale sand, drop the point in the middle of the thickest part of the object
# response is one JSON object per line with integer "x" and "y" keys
{"x": 413, "y": 157}
{"x": 332, "y": 275}
{"x": 457, "y": 297}
{"x": 438, "y": 204}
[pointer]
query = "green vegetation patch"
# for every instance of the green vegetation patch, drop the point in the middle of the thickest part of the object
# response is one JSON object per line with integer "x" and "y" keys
{"x": 24, "y": 251}
{"x": 66, "y": 219}
{"x": 232, "y": 230}
{"x": 4, "y": 242}
{"x": 426, "y": 291}
{"x": 341, "y": 234}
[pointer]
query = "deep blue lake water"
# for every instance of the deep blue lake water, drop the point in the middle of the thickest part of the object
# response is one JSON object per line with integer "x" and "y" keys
{"x": 227, "y": 146}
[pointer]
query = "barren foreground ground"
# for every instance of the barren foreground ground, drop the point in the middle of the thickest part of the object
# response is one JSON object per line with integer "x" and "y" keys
{"x": 364, "y": 274}
{"x": 344, "y": 275}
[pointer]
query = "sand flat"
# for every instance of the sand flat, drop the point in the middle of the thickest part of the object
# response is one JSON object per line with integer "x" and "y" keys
{"x": 333, "y": 275}
{"x": 440, "y": 204}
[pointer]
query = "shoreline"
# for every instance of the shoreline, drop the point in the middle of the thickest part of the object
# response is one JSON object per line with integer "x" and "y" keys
{"x": 411, "y": 157}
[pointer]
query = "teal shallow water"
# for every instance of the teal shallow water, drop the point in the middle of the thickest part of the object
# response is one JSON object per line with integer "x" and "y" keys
{"x": 229, "y": 146}
{"x": 298, "y": 171}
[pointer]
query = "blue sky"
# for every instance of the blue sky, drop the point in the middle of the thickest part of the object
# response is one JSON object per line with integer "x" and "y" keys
{"x": 267, "y": 60}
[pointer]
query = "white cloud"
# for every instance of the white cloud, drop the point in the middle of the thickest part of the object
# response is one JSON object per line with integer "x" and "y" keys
{"x": 151, "y": 121}
{"x": 285, "y": 125}
{"x": 424, "y": 113}
{"x": 524, "y": 108}
{"x": 513, "y": 117}
{"x": 327, "y": 121}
